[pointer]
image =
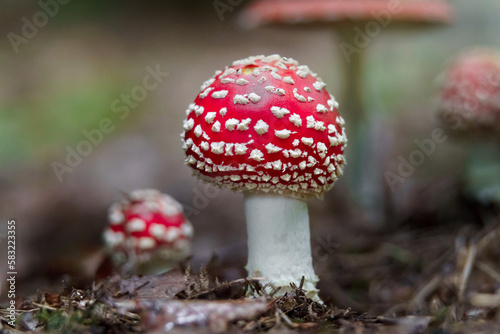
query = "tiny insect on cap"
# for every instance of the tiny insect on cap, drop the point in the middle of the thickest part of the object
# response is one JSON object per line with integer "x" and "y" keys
{"x": 266, "y": 124}
{"x": 470, "y": 90}
{"x": 145, "y": 222}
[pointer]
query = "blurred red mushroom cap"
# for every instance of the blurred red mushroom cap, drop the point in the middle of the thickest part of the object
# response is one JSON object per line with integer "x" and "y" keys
{"x": 470, "y": 91}
{"x": 263, "y": 12}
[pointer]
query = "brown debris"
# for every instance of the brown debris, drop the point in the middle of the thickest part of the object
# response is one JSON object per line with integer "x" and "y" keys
{"x": 163, "y": 286}
{"x": 423, "y": 281}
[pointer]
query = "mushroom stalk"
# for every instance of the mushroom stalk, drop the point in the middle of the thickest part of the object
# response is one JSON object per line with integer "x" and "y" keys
{"x": 279, "y": 245}
{"x": 356, "y": 114}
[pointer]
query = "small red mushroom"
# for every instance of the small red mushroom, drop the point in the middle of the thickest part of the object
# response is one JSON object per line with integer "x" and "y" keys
{"x": 469, "y": 103}
{"x": 147, "y": 233}
{"x": 267, "y": 127}
{"x": 469, "y": 97}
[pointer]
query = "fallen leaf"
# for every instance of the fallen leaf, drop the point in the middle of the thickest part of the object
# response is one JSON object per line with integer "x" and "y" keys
{"x": 165, "y": 315}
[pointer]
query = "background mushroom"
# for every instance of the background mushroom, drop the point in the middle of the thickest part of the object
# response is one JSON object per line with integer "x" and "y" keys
{"x": 356, "y": 24}
{"x": 147, "y": 233}
{"x": 469, "y": 103}
{"x": 267, "y": 127}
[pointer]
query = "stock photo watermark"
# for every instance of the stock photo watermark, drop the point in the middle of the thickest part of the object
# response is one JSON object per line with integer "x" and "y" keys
{"x": 11, "y": 272}
{"x": 32, "y": 25}
{"x": 407, "y": 165}
{"x": 456, "y": 115}
{"x": 121, "y": 108}
{"x": 202, "y": 194}
{"x": 222, "y": 6}
{"x": 323, "y": 247}
{"x": 371, "y": 29}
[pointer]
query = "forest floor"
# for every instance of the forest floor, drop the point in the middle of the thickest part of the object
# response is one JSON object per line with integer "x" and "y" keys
{"x": 419, "y": 281}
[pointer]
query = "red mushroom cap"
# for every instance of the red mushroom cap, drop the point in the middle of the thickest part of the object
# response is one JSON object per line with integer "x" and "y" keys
{"x": 471, "y": 90}
{"x": 266, "y": 124}
{"x": 304, "y": 11}
{"x": 147, "y": 223}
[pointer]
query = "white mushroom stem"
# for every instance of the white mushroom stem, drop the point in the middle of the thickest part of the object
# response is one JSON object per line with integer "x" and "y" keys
{"x": 279, "y": 243}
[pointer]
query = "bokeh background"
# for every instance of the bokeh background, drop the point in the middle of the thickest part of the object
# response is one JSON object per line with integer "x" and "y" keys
{"x": 65, "y": 78}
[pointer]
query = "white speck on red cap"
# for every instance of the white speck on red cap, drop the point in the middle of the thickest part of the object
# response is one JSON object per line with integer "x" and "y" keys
{"x": 157, "y": 230}
{"x": 172, "y": 234}
{"x": 296, "y": 120}
{"x": 321, "y": 108}
{"x": 207, "y": 83}
{"x": 319, "y": 85}
{"x": 112, "y": 238}
{"x": 209, "y": 118}
{"x": 332, "y": 128}
{"x": 289, "y": 80}
{"x": 283, "y": 122}
{"x": 205, "y": 93}
{"x": 256, "y": 155}
{"x": 217, "y": 147}
{"x": 295, "y": 153}
{"x": 198, "y": 131}
{"x": 219, "y": 94}
{"x": 283, "y": 134}
{"x": 244, "y": 124}
{"x": 228, "y": 149}
{"x": 116, "y": 215}
{"x": 332, "y": 103}
{"x": 188, "y": 124}
{"x": 272, "y": 148}
{"x": 275, "y": 90}
{"x": 279, "y": 112}
{"x": 231, "y": 124}
{"x": 187, "y": 230}
{"x": 204, "y": 145}
{"x": 254, "y": 97}
{"x": 198, "y": 110}
{"x": 299, "y": 97}
{"x": 136, "y": 225}
{"x": 146, "y": 243}
{"x": 241, "y": 81}
{"x": 261, "y": 127}
{"x": 275, "y": 75}
{"x": 240, "y": 99}
{"x": 240, "y": 149}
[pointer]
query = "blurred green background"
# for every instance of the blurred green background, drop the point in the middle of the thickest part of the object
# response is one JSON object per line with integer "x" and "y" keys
{"x": 65, "y": 78}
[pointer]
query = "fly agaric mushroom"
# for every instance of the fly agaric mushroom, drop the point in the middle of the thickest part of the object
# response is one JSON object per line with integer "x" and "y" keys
{"x": 470, "y": 91}
{"x": 267, "y": 127}
{"x": 469, "y": 101}
{"x": 147, "y": 233}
